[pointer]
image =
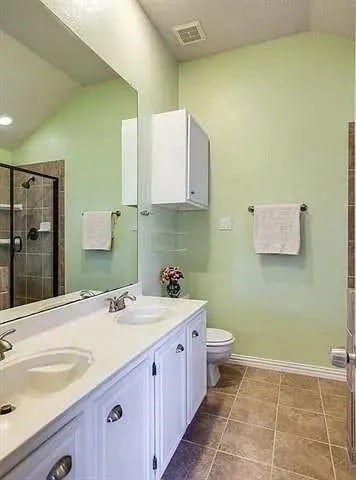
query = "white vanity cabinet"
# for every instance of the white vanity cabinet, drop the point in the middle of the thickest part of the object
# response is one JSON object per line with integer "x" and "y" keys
{"x": 170, "y": 362}
{"x": 180, "y": 162}
{"x": 123, "y": 443}
{"x": 129, "y": 427}
{"x": 197, "y": 362}
{"x": 62, "y": 457}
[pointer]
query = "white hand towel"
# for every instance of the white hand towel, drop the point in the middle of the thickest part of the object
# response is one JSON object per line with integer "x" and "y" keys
{"x": 277, "y": 229}
{"x": 97, "y": 231}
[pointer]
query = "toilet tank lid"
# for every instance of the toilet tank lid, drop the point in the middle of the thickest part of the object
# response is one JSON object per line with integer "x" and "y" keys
{"x": 216, "y": 335}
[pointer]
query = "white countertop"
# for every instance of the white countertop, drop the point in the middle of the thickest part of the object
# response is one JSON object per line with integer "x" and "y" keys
{"x": 112, "y": 346}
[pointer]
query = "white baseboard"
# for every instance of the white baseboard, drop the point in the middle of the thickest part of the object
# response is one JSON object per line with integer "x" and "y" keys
{"x": 301, "y": 368}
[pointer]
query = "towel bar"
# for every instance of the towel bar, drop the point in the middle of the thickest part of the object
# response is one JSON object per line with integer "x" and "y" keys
{"x": 303, "y": 208}
{"x": 117, "y": 213}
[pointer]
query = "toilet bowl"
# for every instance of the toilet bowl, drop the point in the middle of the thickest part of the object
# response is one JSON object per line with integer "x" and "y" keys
{"x": 219, "y": 347}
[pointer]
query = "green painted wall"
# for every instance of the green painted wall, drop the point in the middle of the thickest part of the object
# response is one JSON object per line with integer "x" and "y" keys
{"x": 86, "y": 132}
{"x": 277, "y": 117}
{"x": 5, "y": 156}
{"x": 122, "y": 35}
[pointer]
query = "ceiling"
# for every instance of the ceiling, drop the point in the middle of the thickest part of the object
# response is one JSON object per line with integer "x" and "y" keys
{"x": 233, "y": 23}
{"x": 41, "y": 62}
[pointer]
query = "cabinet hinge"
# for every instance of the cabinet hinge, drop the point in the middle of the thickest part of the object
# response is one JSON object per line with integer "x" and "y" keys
{"x": 154, "y": 463}
{"x": 154, "y": 369}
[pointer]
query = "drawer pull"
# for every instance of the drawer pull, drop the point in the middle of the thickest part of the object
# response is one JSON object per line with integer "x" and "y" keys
{"x": 60, "y": 469}
{"x": 115, "y": 414}
{"x": 179, "y": 348}
{"x": 195, "y": 334}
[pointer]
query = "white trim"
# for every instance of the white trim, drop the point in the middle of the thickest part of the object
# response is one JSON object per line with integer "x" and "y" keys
{"x": 301, "y": 368}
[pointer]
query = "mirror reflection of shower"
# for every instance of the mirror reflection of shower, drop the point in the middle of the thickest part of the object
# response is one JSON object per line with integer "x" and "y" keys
{"x": 27, "y": 183}
{"x": 29, "y": 239}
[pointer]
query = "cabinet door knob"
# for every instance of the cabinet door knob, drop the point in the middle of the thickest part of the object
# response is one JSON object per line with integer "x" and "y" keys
{"x": 192, "y": 192}
{"x": 195, "y": 334}
{"x": 61, "y": 468}
{"x": 179, "y": 348}
{"x": 115, "y": 414}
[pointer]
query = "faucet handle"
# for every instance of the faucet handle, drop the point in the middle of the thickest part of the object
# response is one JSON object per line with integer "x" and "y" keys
{"x": 7, "y": 332}
{"x": 112, "y": 304}
{"x": 111, "y": 299}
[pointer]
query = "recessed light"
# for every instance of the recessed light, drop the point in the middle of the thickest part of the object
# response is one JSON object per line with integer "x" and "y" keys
{"x": 5, "y": 120}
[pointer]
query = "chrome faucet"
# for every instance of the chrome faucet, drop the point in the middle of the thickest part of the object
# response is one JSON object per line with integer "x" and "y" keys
{"x": 5, "y": 346}
{"x": 87, "y": 294}
{"x": 118, "y": 303}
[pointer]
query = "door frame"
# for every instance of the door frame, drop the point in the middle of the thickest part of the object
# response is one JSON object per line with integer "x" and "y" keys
{"x": 55, "y": 217}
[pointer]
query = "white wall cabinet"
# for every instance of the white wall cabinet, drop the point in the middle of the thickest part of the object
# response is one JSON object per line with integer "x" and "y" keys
{"x": 197, "y": 362}
{"x": 180, "y": 162}
{"x": 61, "y": 457}
{"x": 123, "y": 446}
{"x": 130, "y": 427}
{"x": 170, "y": 397}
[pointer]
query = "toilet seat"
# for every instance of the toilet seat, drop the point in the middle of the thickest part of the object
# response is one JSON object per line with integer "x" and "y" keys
{"x": 218, "y": 338}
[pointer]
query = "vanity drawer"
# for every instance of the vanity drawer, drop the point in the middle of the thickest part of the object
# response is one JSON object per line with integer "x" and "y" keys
{"x": 61, "y": 457}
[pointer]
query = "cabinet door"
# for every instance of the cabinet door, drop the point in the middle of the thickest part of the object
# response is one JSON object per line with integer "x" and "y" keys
{"x": 198, "y": 164}
{"x": 196, "y": 364}
{"x": 123, "y": 448}
{"x": 170, "y": 398}
{"x": 62, "y": 455}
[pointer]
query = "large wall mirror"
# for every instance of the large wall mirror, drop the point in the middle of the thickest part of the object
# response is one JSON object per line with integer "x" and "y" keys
{"x": 68, "y": 138}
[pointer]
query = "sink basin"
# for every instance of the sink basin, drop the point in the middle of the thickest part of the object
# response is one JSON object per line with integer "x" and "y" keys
{"x": 144, "y": 315}
{"x": 41, "y": 374}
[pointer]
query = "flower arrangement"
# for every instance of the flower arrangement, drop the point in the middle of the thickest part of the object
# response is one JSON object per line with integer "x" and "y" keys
{"x": 170, "y": 277}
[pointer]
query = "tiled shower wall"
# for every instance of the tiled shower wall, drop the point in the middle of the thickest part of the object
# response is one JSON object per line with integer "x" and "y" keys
{"x": 4, "y": 288}
{"x": 33, "y": 266}
{"x": 351, "y": 323}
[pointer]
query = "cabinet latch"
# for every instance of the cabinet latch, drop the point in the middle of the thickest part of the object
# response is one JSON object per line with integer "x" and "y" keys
{"x": 154, "y": 369}
{"x": 154, "y": 463}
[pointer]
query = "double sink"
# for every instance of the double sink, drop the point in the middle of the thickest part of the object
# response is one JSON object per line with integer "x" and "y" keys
{"x": 52, "y": 370}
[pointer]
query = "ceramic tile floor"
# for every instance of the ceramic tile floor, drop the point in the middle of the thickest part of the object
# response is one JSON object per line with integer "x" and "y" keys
{"x": 264, "y": 425}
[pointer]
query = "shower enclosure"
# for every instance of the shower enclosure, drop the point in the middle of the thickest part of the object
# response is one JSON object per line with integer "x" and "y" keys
{"x": 28, "y": 236}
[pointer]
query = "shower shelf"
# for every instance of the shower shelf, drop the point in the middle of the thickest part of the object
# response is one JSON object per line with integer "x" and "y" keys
{"x": 6, "y": 206}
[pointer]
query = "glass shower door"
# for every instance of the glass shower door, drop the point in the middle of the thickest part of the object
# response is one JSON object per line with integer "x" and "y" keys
{"x": 33, "y": 245}
{"x": 4, "y": 237}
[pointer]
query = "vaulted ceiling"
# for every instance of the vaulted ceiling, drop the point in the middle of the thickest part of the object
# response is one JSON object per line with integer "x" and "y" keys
{"x": 41, "y": 63}
{"x": 233, "y": 23}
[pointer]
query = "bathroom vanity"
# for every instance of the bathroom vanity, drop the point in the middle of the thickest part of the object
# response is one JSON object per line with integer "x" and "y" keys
{"x": 101, "y": 395}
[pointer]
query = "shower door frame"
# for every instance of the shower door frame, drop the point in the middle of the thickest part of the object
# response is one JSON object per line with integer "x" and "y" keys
{"x": 55, "y": 215}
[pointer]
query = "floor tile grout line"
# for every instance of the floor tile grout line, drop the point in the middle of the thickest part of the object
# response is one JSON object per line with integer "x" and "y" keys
{"x": 248, "y": 459}
{"x": 297, "y": 474}
{"x": 270, "y": 429}
{"x": 275, "y": 427}
{"x": 327, "y": 431}
{"x": 198, "y": 444}
{"x": 227, "y": 422}
{"x": 317, "y": 412}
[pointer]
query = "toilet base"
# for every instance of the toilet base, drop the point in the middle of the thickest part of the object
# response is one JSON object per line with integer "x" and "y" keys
{"x": 213, "y": 374}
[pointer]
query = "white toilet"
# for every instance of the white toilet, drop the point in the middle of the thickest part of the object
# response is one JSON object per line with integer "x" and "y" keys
{"x": 219, "y": 347}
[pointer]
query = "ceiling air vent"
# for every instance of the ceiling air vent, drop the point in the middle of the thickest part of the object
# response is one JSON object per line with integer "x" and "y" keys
{"x": 189, "y": 33}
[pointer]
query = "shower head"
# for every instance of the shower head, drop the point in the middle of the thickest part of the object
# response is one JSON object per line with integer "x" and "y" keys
{"x": 28, "y": 182}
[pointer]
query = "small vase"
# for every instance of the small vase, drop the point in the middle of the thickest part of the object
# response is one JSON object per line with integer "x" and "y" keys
{"x": 173, "y": 289}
